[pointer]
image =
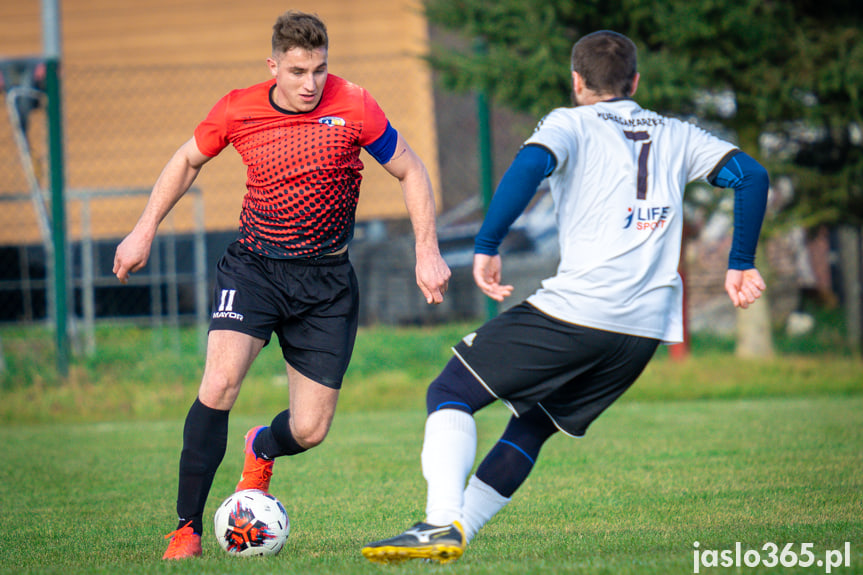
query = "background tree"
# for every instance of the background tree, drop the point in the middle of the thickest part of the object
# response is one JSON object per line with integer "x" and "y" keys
{"x": 794, "y": 70}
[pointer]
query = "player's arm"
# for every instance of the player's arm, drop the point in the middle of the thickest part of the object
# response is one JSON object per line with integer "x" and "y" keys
{"x": 432, "y": 272}
{"x": 175, "y": 180}
{"x": 750, "y": 183}
{"x": 517, "y": 187}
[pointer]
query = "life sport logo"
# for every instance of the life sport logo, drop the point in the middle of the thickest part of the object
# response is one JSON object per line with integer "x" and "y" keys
{"x": 650, "y": 218}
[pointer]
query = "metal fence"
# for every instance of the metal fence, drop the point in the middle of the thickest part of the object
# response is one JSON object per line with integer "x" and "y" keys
{"x": 121, "y": 126}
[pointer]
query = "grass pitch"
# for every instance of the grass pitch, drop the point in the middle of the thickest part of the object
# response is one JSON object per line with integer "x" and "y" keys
{"x": 632, "y": 497}
{"x": 712, "y": 450}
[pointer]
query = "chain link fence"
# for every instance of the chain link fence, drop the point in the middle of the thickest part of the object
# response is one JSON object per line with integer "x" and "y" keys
{"x": 120, "y": 127}
{"x": 122, "y": 124}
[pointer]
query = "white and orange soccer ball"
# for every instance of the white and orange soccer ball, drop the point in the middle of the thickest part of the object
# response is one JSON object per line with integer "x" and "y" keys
{"x": 250, "y": 523}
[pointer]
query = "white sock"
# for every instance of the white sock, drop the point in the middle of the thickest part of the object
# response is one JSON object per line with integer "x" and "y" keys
{"x": 481, "y": 503}
{"x": 448, "y": 454}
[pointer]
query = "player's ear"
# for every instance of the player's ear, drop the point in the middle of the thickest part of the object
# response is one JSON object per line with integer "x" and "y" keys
{"x": 634, "y": 84}
{"x": 273, "y": 65}
{"x": 577, "y": 82}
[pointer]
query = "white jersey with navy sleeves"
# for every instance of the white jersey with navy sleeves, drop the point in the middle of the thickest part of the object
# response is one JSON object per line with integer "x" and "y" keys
{"x": 618, "y": 194}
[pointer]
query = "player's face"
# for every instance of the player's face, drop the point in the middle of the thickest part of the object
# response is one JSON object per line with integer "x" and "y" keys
{"x": 300, "y": 77}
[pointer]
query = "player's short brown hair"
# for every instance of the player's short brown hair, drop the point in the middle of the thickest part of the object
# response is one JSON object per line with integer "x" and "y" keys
{"x": 607, "y": 62}
{"x": 295, "y": 29}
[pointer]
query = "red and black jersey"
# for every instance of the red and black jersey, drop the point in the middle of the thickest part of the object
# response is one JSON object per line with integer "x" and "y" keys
{"x": 303, "y": 177}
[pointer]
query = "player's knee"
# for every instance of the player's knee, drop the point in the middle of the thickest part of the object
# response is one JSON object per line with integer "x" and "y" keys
{"x": 530, "y": 431}
{"x": 218, "y": 391}
{"x": 457, "y": 388}
{"x": 309, "y": 433}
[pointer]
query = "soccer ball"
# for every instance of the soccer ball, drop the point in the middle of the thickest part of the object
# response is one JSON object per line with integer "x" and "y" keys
{"x": 251, "y": 522}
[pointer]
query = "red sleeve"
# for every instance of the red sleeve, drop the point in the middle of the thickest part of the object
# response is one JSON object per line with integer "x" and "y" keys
{"x": 374, "y": 121}
{"x": 211, "y": 135}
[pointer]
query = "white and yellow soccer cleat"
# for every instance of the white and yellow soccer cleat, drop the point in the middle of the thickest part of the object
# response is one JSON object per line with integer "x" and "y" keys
{"x": 422, "y": 541}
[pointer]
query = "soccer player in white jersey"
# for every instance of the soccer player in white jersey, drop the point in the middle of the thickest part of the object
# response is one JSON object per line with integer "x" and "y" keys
{"x": 617, "y": 174}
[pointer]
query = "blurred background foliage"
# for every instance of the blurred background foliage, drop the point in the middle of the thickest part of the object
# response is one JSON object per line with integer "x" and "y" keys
{"x": 783, "y": 64}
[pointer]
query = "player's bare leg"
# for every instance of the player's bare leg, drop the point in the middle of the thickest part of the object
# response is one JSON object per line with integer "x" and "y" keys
{"x": 313, "y": 406}
{"x": 229, "y": 356}
{"x": 292, "y": 431}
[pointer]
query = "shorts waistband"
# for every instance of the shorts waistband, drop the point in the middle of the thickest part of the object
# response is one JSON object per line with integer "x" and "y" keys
{"x": 336, "y": 257}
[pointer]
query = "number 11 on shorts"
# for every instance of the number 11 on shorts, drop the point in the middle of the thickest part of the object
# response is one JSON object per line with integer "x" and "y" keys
{"x": 226, "y": 303}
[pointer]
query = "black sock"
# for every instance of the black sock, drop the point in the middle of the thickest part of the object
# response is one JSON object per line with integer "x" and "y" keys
{"x": 511, "y": 459}
{"x": 205, "y": 439}
{"x": 277, "y": 440}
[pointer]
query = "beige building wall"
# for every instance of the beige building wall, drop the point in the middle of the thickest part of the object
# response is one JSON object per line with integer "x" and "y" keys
{"x": 122, "y": 125}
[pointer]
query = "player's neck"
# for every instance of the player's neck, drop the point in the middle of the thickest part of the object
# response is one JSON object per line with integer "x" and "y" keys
{"x": 589, "y": 97}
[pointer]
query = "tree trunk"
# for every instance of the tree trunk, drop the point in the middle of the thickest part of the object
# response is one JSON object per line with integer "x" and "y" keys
{"x": 849, "y": 261}
{"x": 754, "y": 328}
{"x": 754, "y": 335}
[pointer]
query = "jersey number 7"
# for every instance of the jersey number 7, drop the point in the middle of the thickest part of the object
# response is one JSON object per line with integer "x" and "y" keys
{"x": 642, "y": 160}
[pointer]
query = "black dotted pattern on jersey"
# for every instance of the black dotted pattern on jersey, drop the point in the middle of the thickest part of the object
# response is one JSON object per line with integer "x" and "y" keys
{"x": 303, "y": 187}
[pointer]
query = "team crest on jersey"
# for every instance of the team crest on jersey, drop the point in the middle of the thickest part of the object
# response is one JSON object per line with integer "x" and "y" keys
{"x": 332, "y": 121}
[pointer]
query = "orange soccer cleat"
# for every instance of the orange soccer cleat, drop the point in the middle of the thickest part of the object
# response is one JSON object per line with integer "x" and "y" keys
{"x": 256, "y": 471}
{"x": 184, "y": 543}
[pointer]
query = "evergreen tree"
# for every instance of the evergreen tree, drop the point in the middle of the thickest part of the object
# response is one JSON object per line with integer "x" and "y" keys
{"x": 793, "y": 68}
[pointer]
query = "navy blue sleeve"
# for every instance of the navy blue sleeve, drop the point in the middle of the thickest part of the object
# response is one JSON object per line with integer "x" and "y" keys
{"x": 513, "y": 194}
{"x": 383, "y": 148}
{"x": 750, "y": 182}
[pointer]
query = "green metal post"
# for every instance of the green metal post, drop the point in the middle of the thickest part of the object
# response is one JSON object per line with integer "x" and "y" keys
{"x": 486, "y": 169}
{"x": 486, "y": 184}
{"x": 485, "y": 158}
{"x": 58, "y": 210}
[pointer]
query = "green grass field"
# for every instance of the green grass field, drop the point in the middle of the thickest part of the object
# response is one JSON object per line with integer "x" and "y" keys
{"x": 712, "y": 450}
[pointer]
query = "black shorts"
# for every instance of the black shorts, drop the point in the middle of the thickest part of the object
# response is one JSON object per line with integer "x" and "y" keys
{"x": 311, "y": 304}
{"x": 527, "y": 358}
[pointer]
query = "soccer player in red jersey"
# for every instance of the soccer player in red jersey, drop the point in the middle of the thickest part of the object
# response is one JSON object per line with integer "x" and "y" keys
{"x": 300, "y": 136}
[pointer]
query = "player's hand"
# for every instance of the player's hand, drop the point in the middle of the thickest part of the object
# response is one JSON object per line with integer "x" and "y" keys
{"x": 432, "y": 275}
{"x": 744, "y": 286}
{"x": 131, "y": 255}
{"x": 486, "y": 274}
